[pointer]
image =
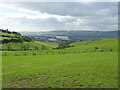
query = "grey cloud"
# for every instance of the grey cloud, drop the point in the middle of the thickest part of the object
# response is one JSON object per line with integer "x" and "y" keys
{"x": 72, "y": 8}
{"x": 98, "y": 16}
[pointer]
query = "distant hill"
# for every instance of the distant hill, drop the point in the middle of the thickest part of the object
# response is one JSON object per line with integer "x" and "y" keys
{"x": 76, "y": 35}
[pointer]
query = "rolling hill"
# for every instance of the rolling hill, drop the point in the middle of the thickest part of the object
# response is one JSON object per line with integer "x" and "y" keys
{"x": 105, "y": 45}
{"x": 14, "y": 41}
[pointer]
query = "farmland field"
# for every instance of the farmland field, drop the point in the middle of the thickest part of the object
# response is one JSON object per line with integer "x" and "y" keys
{"x": 34, "y": 64}
{"x": 79, "y": 70}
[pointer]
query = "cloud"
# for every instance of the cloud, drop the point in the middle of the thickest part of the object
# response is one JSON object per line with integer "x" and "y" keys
{"x": 59, "y": 16}
{"x": 71, "y": 9}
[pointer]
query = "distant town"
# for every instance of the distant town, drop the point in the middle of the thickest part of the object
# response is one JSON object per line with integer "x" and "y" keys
{"x": 57, "y": 36}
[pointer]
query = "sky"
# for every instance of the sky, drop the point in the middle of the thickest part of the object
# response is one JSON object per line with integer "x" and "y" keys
{"x": 48, "y": 16}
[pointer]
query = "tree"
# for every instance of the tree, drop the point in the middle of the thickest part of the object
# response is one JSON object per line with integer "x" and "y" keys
{"x": 36, "y": 48}
{"x": 43, "y": 47}
{"x": 8, "y": 47}
{"x": 25, "y": 47}
{"x": 63, "y": 45}
{"x": 7, "y": 30}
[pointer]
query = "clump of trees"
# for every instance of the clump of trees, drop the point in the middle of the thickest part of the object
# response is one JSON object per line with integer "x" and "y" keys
{"x": 63, "y": 44}
{"x": 43, "y": 47}
{"x": 9, "y": 32}
{"x": 25, "y": 47}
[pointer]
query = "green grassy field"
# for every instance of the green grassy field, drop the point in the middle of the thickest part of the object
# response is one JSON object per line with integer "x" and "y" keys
{"x": 30, "y": 45}
{"x": 72, "y": 69}
{"x": 101, "y": 44}
{"x": 87, "y": 70}
{"x": 78, "y": 47}
{"x": 7, "y": 34}
{"x": 53, "y": 44}
{"x": 0, "y": 70}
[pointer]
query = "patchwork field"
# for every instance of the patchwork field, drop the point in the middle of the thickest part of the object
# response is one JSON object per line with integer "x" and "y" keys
{"x": 79, "y": 70}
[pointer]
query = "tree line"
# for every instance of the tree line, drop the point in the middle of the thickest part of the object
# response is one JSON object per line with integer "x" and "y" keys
{"x": 16, "y": 38}
{"x": 9, "y": 32}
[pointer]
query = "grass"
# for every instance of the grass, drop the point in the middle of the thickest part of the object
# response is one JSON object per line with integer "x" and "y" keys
{"x": 77, "y": 67}
{"x": 7, "y": 38}
{"x": 7, "y": 34}
{"x": 31, "y": 45}
{"x": 0, "y": 71}
{"x": 79, "y": 47}
{"x": 53, "y": 44}
{"x": 85, "y": 70}
{"x": 90, "y": 45}
{"x": 19, "y": 45}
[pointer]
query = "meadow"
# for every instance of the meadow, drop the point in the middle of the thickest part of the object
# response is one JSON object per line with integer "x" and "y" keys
{"x": 95, "y": 70}
{"x": 77, "y": 47}
{"x": 88, "y": 64}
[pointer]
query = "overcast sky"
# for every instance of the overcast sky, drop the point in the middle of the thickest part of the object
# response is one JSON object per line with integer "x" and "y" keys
{"x": 47, "y": 16}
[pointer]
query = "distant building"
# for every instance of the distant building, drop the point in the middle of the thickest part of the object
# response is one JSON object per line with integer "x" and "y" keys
{"x": 52, "y": 39}
{"x": 62, "y": 38}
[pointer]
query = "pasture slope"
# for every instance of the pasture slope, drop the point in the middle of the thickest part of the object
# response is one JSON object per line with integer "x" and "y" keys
{"x": 14, "y": 41}
{"x": 71, "y": 70}
{"x": 34, "y": 45}
{"x": 105, "y": 45}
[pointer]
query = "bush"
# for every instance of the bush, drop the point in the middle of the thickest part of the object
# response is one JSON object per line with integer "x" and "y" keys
{"x": 63, "y": 45}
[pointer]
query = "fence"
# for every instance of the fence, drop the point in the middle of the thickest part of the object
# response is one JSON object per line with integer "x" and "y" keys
{"x": 49, "y": 52}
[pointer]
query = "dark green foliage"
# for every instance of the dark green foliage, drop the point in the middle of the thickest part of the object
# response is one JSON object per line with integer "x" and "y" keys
{"x": 13, "y": 37}
{"x": 9, "y": 47}
{"x": 63, "y": 45}
{"x": 25, "y": 47}
{"x": 96, "y": 47}
{"x": 43, "y": 47}
{"x": 36, "y": 48}
{"x": 27, "y": 39}
{"x": 16, "y": 33}
{"x": 111, "y": 50}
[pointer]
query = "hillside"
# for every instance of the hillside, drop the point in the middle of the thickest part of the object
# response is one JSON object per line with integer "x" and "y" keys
{"x": 14, "y": 41}
{"x": 8, "y": 36}
{"x": 105, "y": 45}
{"x": 76, "y": 47}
